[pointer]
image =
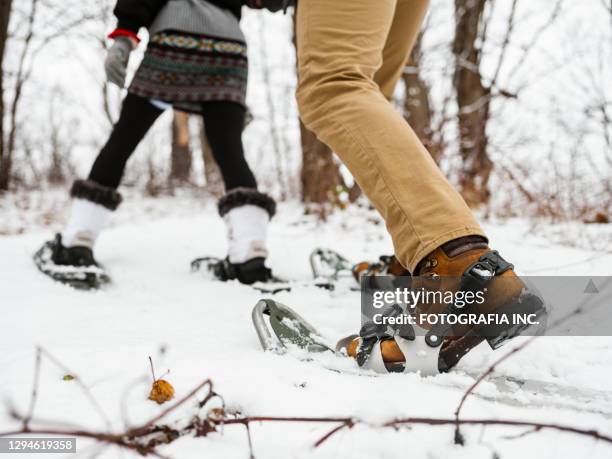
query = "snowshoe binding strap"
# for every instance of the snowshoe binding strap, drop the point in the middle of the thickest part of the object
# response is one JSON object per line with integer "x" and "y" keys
{"x": 279, "y": 326}
{"x": 417, "y": 355}
{"x": 475, "y": 278}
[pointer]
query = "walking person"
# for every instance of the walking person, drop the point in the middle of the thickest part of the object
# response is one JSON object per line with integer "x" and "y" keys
{"x": 350, "y": 57}
{"x": 195, "y": 61}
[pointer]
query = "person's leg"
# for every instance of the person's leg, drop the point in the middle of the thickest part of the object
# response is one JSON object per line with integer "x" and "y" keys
{"x": 136, "y": 118}
{"x": 340, "y": 50}
{"x": 246, "y": 211}
{"x": 350, "y": 57}
{"x": 94, "y": 199}
{"x": 224, "y": 123}
{"x": 405, "y": 29}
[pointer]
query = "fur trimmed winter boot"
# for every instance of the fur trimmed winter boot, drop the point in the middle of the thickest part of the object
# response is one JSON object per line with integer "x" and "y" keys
{"x": 69, "y": 257}
{"x": 92, "y": 204}
{"x": 247, "y": 213}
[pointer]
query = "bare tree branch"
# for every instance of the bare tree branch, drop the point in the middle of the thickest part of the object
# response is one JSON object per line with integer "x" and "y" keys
{"x": 580, "y": 309}
{"x": 146, "y": 438}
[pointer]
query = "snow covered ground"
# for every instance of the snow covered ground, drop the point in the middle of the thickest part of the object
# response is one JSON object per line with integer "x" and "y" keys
{"x": 204, "y": 329}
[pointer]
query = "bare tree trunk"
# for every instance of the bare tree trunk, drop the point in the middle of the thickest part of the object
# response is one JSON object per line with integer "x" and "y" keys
{"x": 56, "y": 173}
{"x": 21, "y": 76}
{"x": 180, "y": 167}
{"x": 5, "y": 12}
{"x": 212, "y": 173}
{"x": 417, "y": 107}
{"x": 320, "y": 174}
{"x": 283, "y": 181}
{"x": 473, "y": 99}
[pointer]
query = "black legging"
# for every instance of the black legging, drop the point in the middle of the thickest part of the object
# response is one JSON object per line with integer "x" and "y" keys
{"x": 223, "y": 122}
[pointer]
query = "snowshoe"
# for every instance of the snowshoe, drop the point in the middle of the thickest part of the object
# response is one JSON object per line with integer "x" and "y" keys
{"x": 248, "y": 273}
{"x": 404, "y": 348}
{"x": 74, "y": 266}
{"x": 330, "y": 265}
{"x": 253, "y": 273}
{"x": 327, "y": 264}
{"x": 281, "y": 330}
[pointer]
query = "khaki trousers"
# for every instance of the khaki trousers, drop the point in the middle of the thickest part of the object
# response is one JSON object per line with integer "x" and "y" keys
{"x": 351, "y": 54}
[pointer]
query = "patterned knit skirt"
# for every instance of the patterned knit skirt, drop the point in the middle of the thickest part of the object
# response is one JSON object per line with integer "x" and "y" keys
{"x": 185, "y": 69}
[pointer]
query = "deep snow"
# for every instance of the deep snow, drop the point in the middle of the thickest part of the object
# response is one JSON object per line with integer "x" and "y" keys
{"x": 205, "y": 329}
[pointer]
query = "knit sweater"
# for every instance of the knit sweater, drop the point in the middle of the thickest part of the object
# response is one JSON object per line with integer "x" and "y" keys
{"x": 134, "y": 14}
{"x": 197, "y": 17}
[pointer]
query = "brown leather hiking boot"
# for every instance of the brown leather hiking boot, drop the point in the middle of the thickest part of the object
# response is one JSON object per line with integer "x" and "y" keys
{"x": 443, "y": 270}
{"x": 466, "y": 264}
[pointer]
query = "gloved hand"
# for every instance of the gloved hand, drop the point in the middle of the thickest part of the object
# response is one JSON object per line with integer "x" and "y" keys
{"x": 117, "y": 60}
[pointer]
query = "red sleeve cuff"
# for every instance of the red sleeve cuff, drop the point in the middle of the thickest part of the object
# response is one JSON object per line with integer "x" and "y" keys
{"x": 124, "y": 33}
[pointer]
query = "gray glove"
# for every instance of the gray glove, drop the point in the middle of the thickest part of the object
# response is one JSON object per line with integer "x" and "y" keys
{"x": 117, "y": 60}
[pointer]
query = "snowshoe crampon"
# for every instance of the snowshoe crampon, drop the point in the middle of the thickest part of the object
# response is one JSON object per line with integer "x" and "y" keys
{"x": 73, "y": 266}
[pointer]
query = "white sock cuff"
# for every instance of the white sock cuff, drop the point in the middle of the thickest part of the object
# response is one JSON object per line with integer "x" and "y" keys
{"x": 247, "y": 228}
{"x": 86, "y": 221}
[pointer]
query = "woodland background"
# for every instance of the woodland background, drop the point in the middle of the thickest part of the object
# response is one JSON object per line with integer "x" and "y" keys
{"x": 512, "y": 98}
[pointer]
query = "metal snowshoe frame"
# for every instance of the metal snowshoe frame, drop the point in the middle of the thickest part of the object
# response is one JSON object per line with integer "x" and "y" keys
{"x": 283, "y": 326}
